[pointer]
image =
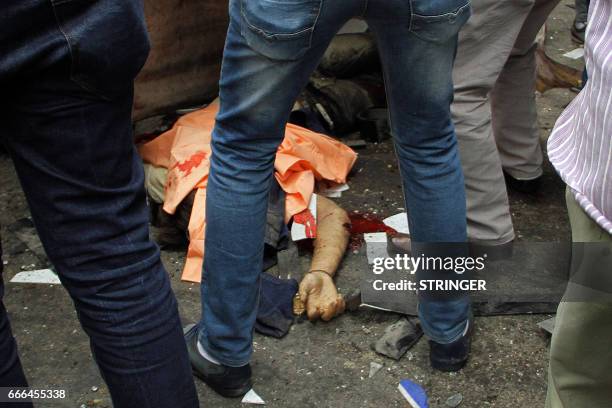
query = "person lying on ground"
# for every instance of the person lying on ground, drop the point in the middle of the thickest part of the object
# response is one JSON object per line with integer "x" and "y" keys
{"x": 318, "y": 296}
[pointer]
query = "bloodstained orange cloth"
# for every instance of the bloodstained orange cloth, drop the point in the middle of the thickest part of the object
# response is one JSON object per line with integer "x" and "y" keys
{"x": 303, "y": 157}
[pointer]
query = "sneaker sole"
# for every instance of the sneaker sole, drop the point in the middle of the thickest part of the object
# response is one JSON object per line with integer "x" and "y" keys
{"x": 225, "y": 392}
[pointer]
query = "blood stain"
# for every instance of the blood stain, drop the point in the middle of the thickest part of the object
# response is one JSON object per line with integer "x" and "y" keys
{"x": 307, "y": 219}
{"x": 366, "y": 224}
{"x": 191, "y": 163}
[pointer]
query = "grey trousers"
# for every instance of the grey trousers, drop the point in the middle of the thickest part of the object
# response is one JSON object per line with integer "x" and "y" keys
{"x": 495, "y": 111}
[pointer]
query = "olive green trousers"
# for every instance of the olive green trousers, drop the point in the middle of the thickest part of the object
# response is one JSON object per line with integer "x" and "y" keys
{"x": 580, "y": 370}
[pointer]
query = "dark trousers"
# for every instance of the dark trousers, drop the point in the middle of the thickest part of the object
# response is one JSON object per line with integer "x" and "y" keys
{"x": 66, "y": 85}
{"x": 582, "y": 10}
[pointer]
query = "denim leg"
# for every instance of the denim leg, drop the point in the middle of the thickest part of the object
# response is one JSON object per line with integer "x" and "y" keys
{"x": 265, "y": 66}
{"x": 84, "y": 184}
{"x": 418, "y": 54}
{"x": 67, "y": 126}
{"x": 11, "y": 371}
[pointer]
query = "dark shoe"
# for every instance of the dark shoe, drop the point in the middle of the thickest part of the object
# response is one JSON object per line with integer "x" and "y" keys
{"x": 453, "y": 356}
{"x": 399, "y": 244}
{"x": 578, "y": 31}
{"x": 523, "y": 186}
{"x": 231, "y": 382}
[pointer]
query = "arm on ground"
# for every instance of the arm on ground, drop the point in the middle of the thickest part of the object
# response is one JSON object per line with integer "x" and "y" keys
{"x": 317, "y": 289}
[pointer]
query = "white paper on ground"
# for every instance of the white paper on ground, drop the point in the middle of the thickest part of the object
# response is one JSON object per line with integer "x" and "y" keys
{"x": 331, "y": 194}
{"x": 376, "y": 246}
{"x": 548, "y": 325}
{"x": 375, "y": 237}
{"x": 374, "y": 368}
{"x": 251, "y": 397}
{"x": 398, "y": 222}
{"x": 46, "y": 276}
{"x": 575, "y": 54}
{"x": 302, "y": 231}
{"x": 332, "y": 190}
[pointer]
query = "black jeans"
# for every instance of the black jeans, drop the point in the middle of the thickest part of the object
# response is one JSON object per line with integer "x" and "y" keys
{"x": 66, "y": 85}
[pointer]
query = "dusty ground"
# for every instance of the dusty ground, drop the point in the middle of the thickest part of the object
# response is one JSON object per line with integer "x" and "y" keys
{"x": 323, "y": 364}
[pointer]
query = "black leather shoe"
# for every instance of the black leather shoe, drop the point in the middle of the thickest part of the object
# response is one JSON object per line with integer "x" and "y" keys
{"x": 453, "y": 356}
{"x": 578, "y": 31}
{"x": 231, "y": 382}
{"x": 523, "y": 186}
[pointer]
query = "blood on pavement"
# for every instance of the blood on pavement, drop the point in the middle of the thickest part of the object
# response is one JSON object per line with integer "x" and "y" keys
{"x": 366, "y": 224}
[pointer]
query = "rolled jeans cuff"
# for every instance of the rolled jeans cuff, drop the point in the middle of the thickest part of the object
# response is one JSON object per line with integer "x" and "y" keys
{"x": 237, "y": 360}
{"x": 444, "y": 321}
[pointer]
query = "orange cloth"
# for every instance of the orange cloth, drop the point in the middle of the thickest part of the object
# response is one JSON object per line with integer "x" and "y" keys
{"x": 303, "y": 157}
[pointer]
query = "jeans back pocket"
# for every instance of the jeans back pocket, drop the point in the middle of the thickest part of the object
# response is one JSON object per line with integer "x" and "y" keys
{"x": 108, "y": 42}
{"x": 438, "y": 21}
{"x": 279, "y": 29}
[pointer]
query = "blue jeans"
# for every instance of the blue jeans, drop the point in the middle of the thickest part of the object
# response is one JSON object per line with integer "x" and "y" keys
{"x": 66, "y": 79}
{"x": 272, "y": 48}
